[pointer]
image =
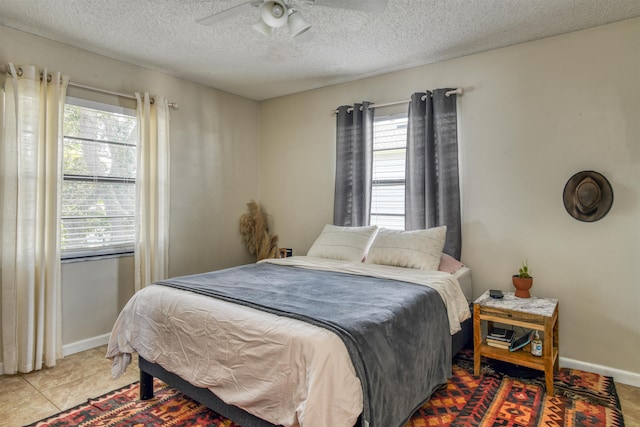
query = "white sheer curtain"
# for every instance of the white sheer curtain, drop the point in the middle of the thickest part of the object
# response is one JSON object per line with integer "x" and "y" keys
{"x": 152, "y": 191}
{"x": 32, "y": 112}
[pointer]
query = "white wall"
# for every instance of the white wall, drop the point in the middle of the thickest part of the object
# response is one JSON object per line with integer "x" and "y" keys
{"x": 93, "y": 294}
{"x": 532, "y": 115}
{"x": 214, "y": 172}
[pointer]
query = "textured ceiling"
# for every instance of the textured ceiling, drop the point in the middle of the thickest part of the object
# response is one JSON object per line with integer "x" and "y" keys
{"x": 342, "y": 45}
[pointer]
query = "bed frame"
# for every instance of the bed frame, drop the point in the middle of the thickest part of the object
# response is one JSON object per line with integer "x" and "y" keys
{"x": 149, "y": 371}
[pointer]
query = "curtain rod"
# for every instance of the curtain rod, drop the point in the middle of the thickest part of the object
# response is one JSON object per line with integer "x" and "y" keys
{"x": 173, "y": 105}
{"x": 456, "y": 91}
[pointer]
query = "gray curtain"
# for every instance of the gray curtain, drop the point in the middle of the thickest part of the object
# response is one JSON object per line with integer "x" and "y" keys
{"x": 354, "y": 156}
{"x": 432, "y": 192}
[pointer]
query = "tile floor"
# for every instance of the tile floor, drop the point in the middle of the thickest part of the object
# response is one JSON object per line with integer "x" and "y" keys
{"x": 28, "y": 398}
{"x": 31, "y": 397}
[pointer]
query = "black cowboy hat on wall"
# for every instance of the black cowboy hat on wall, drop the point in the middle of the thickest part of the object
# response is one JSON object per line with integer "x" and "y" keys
{"x": 587, "y": 196}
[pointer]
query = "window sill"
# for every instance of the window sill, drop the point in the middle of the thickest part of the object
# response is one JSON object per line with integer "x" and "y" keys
{"x": 94, "y": 257}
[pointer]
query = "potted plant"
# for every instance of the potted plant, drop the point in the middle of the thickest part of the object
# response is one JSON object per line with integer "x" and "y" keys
{"x": 523, "y": 281}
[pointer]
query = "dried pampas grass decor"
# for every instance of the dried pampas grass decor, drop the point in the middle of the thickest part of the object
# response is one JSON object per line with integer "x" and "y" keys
{"x": 255, "y": 233}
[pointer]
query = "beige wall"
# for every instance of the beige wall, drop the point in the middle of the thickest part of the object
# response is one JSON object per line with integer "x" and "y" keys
{"x": 532, "y": 116}
{"x": 214, "y": 172}
{"x": 93, "y": 293}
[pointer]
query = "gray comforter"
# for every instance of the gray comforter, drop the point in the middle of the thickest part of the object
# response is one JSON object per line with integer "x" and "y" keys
{"x": 396, "y": 333}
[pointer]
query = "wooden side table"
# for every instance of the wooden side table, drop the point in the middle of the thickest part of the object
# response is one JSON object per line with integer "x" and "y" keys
{"x": 285, "y": 252}
{"x": 531, "y": 313}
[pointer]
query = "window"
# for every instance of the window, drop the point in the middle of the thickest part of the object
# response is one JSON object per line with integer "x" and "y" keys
{"x": 387, "y": 192}
{"x": 98, "y": 188}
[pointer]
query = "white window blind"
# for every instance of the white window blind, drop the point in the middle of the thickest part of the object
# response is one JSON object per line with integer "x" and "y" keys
{"x": 387, "y": 192}
{"x": 98, "y": 189}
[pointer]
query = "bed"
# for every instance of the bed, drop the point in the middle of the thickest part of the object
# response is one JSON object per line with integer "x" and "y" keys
{"x": 309, "y": 341}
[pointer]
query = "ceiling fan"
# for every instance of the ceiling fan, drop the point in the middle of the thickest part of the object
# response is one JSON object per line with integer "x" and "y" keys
{"x": 277, "y": 13}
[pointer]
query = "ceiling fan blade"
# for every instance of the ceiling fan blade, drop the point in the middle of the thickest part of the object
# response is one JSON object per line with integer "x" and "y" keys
{"x": 228, "y": 13}
{"x": 373, "y": 6}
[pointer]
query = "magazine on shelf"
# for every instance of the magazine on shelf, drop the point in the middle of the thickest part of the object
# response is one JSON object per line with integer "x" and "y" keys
{"x": 499, "y": 344}
{"x": 499, "y": 334}
{"x": 489, "y": 339}
{"x": 521, "y": 342}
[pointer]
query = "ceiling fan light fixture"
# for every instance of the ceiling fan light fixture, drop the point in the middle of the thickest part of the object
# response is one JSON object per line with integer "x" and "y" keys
{"x": 274, "y": 13}
{"x": 263, "y": 28}
{"x": 297, "y": 23}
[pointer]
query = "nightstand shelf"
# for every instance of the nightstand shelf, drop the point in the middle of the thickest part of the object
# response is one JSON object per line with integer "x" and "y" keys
{"x": 530, "y": 313}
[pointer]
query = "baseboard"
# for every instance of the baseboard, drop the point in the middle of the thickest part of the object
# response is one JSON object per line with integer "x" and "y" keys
{"x": 78, "y": 346}
{"x": 87, "y": 344}
{"x": 619, "y": 376}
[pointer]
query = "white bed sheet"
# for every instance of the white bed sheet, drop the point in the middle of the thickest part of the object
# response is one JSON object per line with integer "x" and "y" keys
{"x": 279, "y": 369}
{"x": 464, "y": 279}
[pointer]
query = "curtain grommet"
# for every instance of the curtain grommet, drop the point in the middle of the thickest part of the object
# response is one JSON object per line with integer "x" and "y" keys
{"x": 19, "y": 72}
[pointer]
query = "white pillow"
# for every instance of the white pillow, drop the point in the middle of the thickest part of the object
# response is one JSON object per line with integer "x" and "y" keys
{"x": 421, "y": 249}
{"x": 343, "y": 243}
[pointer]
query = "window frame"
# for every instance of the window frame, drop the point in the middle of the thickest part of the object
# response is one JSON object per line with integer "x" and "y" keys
{"x": 387, "y": 182}
{"x": 111, "y": 250}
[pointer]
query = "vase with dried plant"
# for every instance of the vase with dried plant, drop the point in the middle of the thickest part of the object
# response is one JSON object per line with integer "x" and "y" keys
{"x": 255, "y": 233}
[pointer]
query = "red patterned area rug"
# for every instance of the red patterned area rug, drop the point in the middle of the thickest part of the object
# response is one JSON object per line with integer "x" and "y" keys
{"x": 502, "y": 396}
